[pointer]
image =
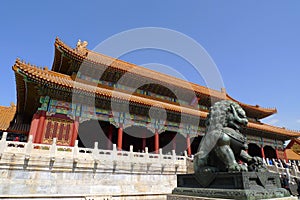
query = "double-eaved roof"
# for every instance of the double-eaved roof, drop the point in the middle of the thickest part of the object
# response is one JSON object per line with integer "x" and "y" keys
{"x": 61, "y": 77}
{"x": 64, "y": 53}
{"x": 65, "y": 82}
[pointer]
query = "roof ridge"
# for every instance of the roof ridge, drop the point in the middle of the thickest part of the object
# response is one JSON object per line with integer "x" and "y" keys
{"x": 180, "y": 82}
{"x": 271, "y": 128}
{"x": 273, "y": 110}
{"x": 41, "y": 69}
{"x": 192, "y": 86}
{"x": 282, "y": 128}
{"x": 7, "y": 107}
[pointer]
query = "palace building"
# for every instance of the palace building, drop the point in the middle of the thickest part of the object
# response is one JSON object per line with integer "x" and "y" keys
{"x": 89, "y": 97}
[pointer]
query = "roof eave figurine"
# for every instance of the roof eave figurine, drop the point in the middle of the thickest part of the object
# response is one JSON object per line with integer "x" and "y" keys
{"x": 81, "y": 47}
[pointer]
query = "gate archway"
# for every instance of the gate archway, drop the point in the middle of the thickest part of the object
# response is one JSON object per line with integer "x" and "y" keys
{"x": 270, "y": 152}
{"x": 254, "y": 150}
{"x": 139, "y": 137}
{"x": 92, "y": 131}
{"x": 167, "y": 141}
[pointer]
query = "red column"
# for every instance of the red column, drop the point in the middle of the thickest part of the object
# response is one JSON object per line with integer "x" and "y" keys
{"x": 75, "y": 131}
{"x": 40, "y": 128}
{"x": 110, "y": 135}
{"x": 34, "y": 125}
{"x": 120, "y": 137}
{"x": 285, "y": 156}
{"x": 144, "y": 141}
{"x": 156, "y": 142}
{"x": 262, "y": 152}
{"x": 277, "y": 155}
{"x": 188, "y": 145}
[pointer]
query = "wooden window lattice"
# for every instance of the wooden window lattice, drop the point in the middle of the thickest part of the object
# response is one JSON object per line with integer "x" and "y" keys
{"x": 59, "y": 128}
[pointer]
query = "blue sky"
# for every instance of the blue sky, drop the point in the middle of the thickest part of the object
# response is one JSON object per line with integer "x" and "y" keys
{"x": 255, "y": 44}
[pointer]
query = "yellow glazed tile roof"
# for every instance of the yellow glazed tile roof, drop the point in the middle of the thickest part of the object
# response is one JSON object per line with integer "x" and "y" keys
{"x": 98, "y": 58}
{"x": 6, "y": 116}
{"x": 291, "y": 155}
{"x": 58, "y": 79}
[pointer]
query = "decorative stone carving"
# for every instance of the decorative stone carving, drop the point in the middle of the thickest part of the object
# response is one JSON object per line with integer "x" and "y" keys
{"x": 217, "y": 171}
{"x": 223, "y": 144}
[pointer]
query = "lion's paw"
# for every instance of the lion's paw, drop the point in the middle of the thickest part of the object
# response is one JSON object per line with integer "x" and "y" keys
{"x": 237, "y": 168}
{"x": 257, "y": 160}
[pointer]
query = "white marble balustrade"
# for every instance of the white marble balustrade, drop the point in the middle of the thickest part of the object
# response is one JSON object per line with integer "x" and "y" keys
{"x": 72, "y": 157}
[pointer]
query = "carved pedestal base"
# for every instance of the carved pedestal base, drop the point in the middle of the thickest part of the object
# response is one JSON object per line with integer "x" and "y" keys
{"x": 183, "y": 197}
{"x": 239, "y": 185}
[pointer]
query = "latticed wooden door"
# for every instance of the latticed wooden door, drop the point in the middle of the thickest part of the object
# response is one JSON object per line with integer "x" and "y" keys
{"x": 61, "y": 129}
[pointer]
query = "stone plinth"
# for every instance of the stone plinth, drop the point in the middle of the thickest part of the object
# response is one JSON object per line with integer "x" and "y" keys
{"x": 183, "y": 197}
{"x": 239, "y": 185}
{"x": 16, "y": 182}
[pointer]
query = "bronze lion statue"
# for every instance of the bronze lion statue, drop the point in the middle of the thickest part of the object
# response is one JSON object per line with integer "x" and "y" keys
{"x": 223, "y": 144}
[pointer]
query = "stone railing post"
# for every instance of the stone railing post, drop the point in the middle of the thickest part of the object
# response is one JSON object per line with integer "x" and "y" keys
{"x": 29, "y": 147}
{"x": 131, "y": 157}
{"x": 174, "y": 158}
{"x": 95, "y": 152}
{"x": 264, "y": 161}
{"x": 114, "y": 157}
{"x": 146, "y": 150}
{"x": 174, "y": 155}
{"x": 75, "y": 152}
{"x": 147, "y": 159}
{"x": 288, "y": 174}
{"x": 185, "y": 154}
{"x": 131, "y": 153}
{"x": 4, "y": 136}
{"x": 296, "y": 166}
{"x": 276, "y": 165}
{"x": 114, "y": 152}
{"x": 146, "y": 155}
{"x": 3, "y": 143}
{"x": 161, "y": 159}
{"x": 294, "y": 171}
{"x": 280, "y": 164}
{"x": 53, "y": 150}
{"x": 267, "y": 161}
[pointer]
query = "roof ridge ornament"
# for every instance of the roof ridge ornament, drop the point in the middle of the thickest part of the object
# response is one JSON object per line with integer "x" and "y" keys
{"x": 81, "y": 47}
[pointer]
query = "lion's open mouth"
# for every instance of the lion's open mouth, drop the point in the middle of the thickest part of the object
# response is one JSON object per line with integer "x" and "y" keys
{"x": 239, "y": 119}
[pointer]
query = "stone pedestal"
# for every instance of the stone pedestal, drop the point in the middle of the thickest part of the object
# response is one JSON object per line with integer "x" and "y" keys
{"x": 183, "y": 197}
{"x": 239, "y": 185}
